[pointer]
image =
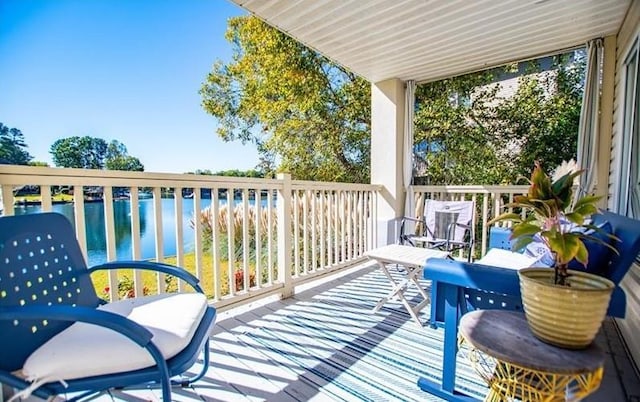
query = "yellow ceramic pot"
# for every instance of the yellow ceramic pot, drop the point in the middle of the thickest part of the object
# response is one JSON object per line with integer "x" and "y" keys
{"x": 569, "y": 317}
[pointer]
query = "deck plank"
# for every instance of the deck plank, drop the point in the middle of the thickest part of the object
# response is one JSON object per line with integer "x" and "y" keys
{"x": 250, "y": 371}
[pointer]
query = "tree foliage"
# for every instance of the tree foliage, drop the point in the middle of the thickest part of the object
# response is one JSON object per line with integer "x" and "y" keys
{"x": 451, "y": 133}
{"x": 79, "y": 152}
{"x": 542, "y": 117}
{"x": 468, "y": 132}
{"x": 305, "y": 113}
{"x": 13, "y": 147}
{"x": 230, "y": 173}
{"x": 93, "y": 153}
{"x": 240, "y": 173}
{"x": 311, "y": 117}
{"x": 117, "y": 158}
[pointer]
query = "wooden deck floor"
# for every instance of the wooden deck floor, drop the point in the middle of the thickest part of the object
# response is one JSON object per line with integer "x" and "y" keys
{"x": 325, "y": 344}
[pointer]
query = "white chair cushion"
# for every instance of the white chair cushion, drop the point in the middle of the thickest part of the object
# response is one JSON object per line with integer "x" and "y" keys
{"x": 507, "y": 259}
{"x": 85, "y": 350}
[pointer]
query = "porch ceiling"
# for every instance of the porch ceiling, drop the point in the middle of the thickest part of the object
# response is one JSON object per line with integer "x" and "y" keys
{"x": 427, "y": 40}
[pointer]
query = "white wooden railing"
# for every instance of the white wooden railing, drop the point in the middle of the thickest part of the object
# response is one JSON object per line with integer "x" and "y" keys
{"x": 294, "y": 231}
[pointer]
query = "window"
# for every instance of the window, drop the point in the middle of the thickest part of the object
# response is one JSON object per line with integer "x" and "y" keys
{"x": 629, "y": 201}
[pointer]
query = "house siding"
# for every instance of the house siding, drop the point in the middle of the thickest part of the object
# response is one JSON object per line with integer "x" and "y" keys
{"x": 630, "y": 325}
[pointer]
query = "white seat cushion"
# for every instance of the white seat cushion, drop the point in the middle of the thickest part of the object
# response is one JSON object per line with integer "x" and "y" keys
{"x": 85, "y": 350}
{"x": 507, "y": 259}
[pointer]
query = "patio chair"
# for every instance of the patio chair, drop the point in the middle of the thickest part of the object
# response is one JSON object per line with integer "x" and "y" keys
{"x": 58, "y": 337}
{"x": 458, "y": 287}
{"x": 446, "y": 225}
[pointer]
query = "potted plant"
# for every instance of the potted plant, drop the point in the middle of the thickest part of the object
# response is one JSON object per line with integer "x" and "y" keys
{"x": 563, "y": 307}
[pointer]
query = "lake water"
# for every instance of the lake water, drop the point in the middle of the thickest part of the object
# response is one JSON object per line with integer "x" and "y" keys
{"x": 95, "y": 227}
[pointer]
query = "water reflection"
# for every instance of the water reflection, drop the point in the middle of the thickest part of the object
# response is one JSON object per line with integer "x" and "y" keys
{"x": 96, "y": 233}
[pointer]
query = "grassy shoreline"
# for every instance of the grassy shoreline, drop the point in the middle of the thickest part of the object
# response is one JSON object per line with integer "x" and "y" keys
{"x": 36, "y": 199}
{"x": 149, "y": 279}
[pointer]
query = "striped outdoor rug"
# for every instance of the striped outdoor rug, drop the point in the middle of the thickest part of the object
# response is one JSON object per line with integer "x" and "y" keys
{"x": 339, "y": 350}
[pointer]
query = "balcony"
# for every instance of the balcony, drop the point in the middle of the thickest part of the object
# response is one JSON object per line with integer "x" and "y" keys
{"x": 293, "y": 288}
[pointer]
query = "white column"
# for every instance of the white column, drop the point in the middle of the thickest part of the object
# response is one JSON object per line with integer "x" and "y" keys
{"x": 387, "y": 126}
{"x": 283, "y": 207}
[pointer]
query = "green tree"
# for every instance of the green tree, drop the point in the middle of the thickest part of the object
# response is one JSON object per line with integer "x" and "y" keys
{"x": 307, "y": 113}
{"x": 541, "y": 119}
{"x": 38, "y": 163}
{"x": 468, "y": 133}
{"x": 230, "y": 173}
{"x": 205, "y": 172}
{"x": 93, "y": 153}
{"x": 129, "y": 163}
{"x": 79, "y": 152}
{"x": 453, "y": 141}
{"x": 117, "y": 158}
{"x": 13, "y": 147}
{"x": 239, "y": 173}
{"x": 266, "y": 167}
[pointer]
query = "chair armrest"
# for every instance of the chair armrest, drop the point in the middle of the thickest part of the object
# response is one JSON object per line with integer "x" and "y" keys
{"x": 173, "y": 270}
{"x": 132, "y": 330}
{"x": 406, "y": 237}
{"x": 476, "y": 276}
{"x": 476, "y": 286}
{"x": 410, "y": 219}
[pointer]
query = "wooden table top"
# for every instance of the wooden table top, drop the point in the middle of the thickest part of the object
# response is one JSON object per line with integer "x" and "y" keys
{"x": 505, "y": 335}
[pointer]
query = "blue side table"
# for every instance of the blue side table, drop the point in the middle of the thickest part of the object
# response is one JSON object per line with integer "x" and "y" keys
{"x": 499, "y": 238}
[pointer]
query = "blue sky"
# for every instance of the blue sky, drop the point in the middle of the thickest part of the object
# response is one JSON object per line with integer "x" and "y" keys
{"x": 128, "y": 70}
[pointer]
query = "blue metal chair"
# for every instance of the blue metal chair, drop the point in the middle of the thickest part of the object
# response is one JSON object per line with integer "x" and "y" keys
{"x": 46, "y": 294}
{"x": 458, "y": 287}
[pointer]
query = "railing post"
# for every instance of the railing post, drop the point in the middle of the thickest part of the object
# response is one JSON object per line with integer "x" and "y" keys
{"x": 159, "y": 242}
{"x": 46, "y": 204}
{"x": 283, "y": 206}
{"x": 78, "y": 214}
{"x": 485, "y": 226}
{"x": 110, "y": 236}
{"x": 6, "y": 198}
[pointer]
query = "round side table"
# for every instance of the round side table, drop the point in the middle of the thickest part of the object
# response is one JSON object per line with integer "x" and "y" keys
{"x": 518, "y": 366}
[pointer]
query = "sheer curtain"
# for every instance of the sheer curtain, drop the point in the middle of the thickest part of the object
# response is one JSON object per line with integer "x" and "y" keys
{"x": 588, "y": 130}
{"x": 407, "y": 161}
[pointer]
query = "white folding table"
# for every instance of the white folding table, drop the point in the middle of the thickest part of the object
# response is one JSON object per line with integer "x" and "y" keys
{"x": 413, "y": 260}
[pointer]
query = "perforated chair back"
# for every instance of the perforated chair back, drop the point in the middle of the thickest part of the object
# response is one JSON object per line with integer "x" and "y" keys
{"x": 40, "y": 264}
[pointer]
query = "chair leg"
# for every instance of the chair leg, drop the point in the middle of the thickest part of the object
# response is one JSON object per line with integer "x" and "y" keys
{"x": 205, "y": 366}
{"x": 165, "y": 381}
